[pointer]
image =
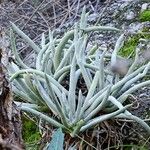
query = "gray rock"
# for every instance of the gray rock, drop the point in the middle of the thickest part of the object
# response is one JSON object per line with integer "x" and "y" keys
{"x": 101, "y": 35}
{"x": 130, "y": 15}
{"x": 134, "y": 27}
{"x": 122, "y": 6}
{"x": 144, "y": 7}
{"x": 92, "y": 17}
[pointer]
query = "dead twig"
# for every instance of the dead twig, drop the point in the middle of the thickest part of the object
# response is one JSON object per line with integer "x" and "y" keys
{"x": 33, "y": 14}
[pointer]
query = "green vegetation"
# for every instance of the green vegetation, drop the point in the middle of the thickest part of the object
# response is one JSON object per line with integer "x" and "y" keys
{"x": 130, "y": 45}
{"x": 41, "y": 87}
{"x": 145, "y": 16}
{"x": 30, "y": 132}
{"x": 57, "y": 141}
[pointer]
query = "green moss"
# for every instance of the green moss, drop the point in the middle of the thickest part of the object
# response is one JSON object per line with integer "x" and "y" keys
{"x": 30, "y": 133}
{"x": 145, "y": 16}
{"x": 130, "y": 45}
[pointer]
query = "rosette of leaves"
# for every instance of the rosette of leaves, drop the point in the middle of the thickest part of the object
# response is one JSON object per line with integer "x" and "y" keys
{"x": 42, "y": 91}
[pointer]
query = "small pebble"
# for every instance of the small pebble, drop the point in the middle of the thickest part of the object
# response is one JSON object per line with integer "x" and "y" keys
{"x": 122, "y": 6}
{"x": 130, "y": 15}
{"x": 92, "y": 17}
{"x": 144, "y": 7}
{"x": 101, "y": 35}
{"x": 134, "y": 27}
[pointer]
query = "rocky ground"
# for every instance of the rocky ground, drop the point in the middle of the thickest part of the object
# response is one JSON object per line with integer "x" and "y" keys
{"x": 36, "y": 16}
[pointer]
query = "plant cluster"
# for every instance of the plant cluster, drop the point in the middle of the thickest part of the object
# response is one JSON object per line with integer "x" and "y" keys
{"x": 43, "y": 93}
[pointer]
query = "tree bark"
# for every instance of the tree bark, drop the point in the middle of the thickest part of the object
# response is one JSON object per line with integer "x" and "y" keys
{"x": 10, "y": 120}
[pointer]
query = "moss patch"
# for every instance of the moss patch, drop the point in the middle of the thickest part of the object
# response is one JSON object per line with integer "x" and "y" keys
{"x": 145, "y": 16}
{"x": 30, "y": 133}
{"x": 130, "y": 45}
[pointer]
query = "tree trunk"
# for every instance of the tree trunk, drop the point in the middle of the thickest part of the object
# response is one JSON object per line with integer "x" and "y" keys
{"x": 10, "y": 120}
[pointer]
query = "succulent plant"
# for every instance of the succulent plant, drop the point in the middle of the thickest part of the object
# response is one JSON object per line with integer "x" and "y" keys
{"x": 43, "y": 93}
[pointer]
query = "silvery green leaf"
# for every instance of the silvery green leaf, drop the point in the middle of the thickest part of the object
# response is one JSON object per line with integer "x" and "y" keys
{"x": 14, "y": 49}
{"x": 25, "y": 37}
{"x": 118, "y": 46}
{"x": 57, "y": 140}
{"x": 23, "y": 95}
{"x": 43, "y": 41}
{"x": 42, "y": 115}
{"x": 29, "y": 92}
{"x": 28, "y": 80}
{"x": 45, "y": 96}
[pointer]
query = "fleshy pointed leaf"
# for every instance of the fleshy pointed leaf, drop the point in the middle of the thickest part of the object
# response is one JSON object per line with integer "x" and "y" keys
{"x": 57, "y": 141}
